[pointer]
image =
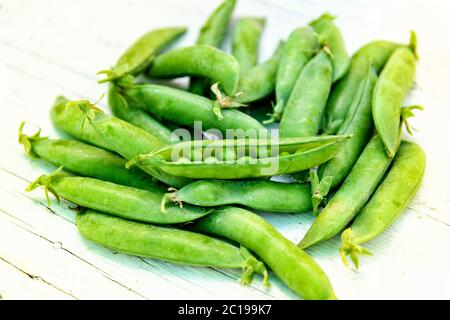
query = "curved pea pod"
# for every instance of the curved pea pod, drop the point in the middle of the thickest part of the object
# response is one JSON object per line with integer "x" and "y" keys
{"x": 212, "y": 33}
{"x": 358, "y": 123}
{"x": 388, "y": 202}
{"x": 303, "y": 112}
{"x": 118, "y": 200}
{"x": 251, "y": 158}
{"x": 201, "y": 61}
{"x": 138, "y": 117}
{"x": 185, "y": 108}
{"x": 300, "y": 47}
{"x": 256, "y": 194}
{"x": 87, "y": 160}
{"x": 245, "y": 44}
{"x": 332, "y": 37}
{"x": 392, "y": 87}
{"x": 86, "y": 122}
{"x": 291, "y": 264}
{"x": 356, "y": 190}
{"x": 375, "y": 53}
{"x": 142, "y": 52}
{"x": 259, "y": 81}
{"x": 169, "y": 244}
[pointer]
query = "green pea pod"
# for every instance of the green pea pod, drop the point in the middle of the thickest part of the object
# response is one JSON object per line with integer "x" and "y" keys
{"x": 87, "y": 160}
{"x": 245, "y": 44}
{"x": 184, "y": 108}
{"x": 388, "y": 202}
{"x": 252, "y": 158}
{"x": 291, "y": 264}
{"x": 302, "y": 114}
{"x": 118, "y": 200}
{"x": 358, "y": 123}
{"x": 170, "y": 244}
{"x": 394, "y": 83}
{"x": 300, "y": 47}
{"x": 256, "y": 194}
{"x": 331, "y": 36}
{"x": 375, "y": 53}
{"x": 201, "y": 61}
{"x": 352, "y": 195}
{"x": 142, "y": 52}
{"x": 138, "y": 117}
{"x": 212, "y": 33}
{"x": 259, "y": 81}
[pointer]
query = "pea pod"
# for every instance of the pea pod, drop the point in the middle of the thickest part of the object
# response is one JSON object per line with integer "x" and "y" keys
{"x": 212, "y": 33}
{"x": 199, "y": 60}
{"x": 375, "y": 53}
{"x": 138, "y": 117}
{"x": 87, "y": 160}
{"x": 292, "y": 265}
{"x": 302, "y": 114}
{"x": 86, "y": 122}
{"x": 392, "y": 87}
{"x": 246, "y": 158}
{"x": 332, "y": 37}
{"x": 351, "y": 196}
{"x": 246, "y": 35}
{"x": 118, "y": 200}
{"x": 388, "y": 202}
{"x": 358, "y": 123}
{"x": 142, "y": 52}
{"x": 184, "y": 108}
{"x": 256, "y": 194}
{"x": 174, "y": 245}
{"x": 259, "y": 81}
{"x": 300, "y": 47}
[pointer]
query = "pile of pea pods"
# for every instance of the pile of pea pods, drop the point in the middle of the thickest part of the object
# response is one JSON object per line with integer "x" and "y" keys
{"x": 339, "y": 139}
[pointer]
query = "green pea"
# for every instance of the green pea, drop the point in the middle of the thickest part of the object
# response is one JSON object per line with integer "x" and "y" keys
{"x": 245, "y": 46}
{"x": 302, "y": 114}
{"x": 87, "y": 160}
{"x": 170, "y": 244}
{"x": 392, "y": 87}
{"x": 259, "y": 82}
{"x": 332, "y": 37}
{"x": 118, "y": 200}
{"x": 183, "y": 160}
{"x": 375, "y": 53}
{"x": 125, "y": 111}
{"x": 356, "y": 190}
{"x": 185, "y": 108}
{"x": 201, "y": 61}
{"x": 142, "y": 52}
{"x": 300, "y": 47}
{"x": 359, "y": 124}
{"x": 212, "y": 33}
{"x": 316, "y": 151}
{"x": 256, "y": 194}
{"x": 388, "y": 202}
{"x": 298, "y": 270}
{"x": 211, "y": 160}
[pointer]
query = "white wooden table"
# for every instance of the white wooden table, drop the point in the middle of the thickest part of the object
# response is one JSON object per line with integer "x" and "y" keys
{"x": 56, "y": 47}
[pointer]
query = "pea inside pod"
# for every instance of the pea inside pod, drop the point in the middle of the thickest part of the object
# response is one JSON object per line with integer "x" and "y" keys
{"x": 142, "y": 52}
{"x": 388, "y": 202}
{"x": 169, "y": 244}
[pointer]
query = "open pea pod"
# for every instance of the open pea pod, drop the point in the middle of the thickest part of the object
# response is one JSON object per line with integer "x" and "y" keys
{"x": 241, "y": 158}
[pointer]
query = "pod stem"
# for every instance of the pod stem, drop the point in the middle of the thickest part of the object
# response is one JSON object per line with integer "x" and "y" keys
{"x": 319, "y": 190}
{"x": 110, "y": 75}
{"x": 172, "y": 197}
{"x": 27, "y": 141}
{"x": 351, "y": 249}
{"x": 223, "y": 102}
{"x": 276, "y": 115}
{"x": 251, "y": 266}
{"x": 45, "y": 181}
{"x": 88, "y": 109}
{"x": 413, "y": 43}
{"x": 406, "y": 113}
